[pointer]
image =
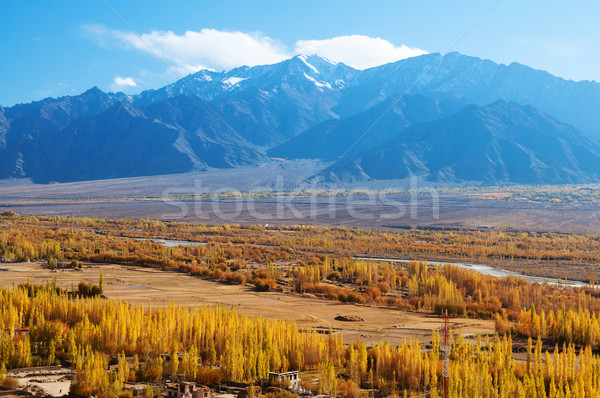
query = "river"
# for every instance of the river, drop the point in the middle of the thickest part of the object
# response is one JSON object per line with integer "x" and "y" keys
{"x": 173, "y": 243}
{"x": 488, "y": 270}
{"x": 481, "y": 268}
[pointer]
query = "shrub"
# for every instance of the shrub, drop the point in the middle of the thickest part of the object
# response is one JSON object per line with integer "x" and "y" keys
{"x": 89, "y": 289}
{"x": 264, "y": 285}
{"x": 217, "y": 274}
{"x": 348, "y": 388}
{"x": 209, "y": 376}
{"x": 281, "y": 394}
{"x": 126, "y": 394}
{"x": 383, "y": 287}
{"x": 9, "y": 383}
{"x": 238, "y": 265}
{"x": 80, "y": 390}
{"x": 261, "y": 274}
{"x": 314, "y": 261}
{"x": 452, "y": 308}
{"x": 355, "y": 298}
{"x": 236, "y": 278}
{"x": 334, "y": 276}
{"x": 307, "y": 287}
{"x": 281, "y": 383}
{"x": 373, "y": 292}
{"x": 52, "y": 263}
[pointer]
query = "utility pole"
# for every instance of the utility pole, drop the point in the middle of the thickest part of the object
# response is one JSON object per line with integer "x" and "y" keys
{"x": 446, "y": 354}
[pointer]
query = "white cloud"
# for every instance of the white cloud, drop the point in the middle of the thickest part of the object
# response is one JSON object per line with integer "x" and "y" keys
{"x": 186, "y": 69}
{"x": 192, "y": 51}
{"x": 219, "y": 50}
{"x": 358, "y": 51}
{"x": 125, "y": 81}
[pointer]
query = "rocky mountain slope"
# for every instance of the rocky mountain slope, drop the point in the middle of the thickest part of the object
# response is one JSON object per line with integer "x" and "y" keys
{"x": 450, "y": 118}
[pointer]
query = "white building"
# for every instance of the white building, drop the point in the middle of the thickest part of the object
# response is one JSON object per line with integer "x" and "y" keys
{"x": 292, "y": 377}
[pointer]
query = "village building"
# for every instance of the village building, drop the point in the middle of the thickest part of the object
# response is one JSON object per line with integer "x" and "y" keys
{"x": 139, "y": 389}
{"x": 187, "y": 390}
{"x": 282, "y": 379}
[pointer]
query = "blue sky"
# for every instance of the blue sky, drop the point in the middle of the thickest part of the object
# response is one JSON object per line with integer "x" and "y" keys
{"x": 55, "y": 48}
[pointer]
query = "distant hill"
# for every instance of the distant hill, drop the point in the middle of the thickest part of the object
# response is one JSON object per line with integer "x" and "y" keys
{"x": 28, "y": 123}
{"x": 364, "y": 121}
{"x": 480, "y": 81}
{"x": 498, "y": 143}
{"x": 125, "y": 141}
{"x": 332, "y": 138}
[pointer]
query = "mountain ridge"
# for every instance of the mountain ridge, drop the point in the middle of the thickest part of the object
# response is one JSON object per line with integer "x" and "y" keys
{"x": 305, "y": 107}
{"x": 502, "y": 142}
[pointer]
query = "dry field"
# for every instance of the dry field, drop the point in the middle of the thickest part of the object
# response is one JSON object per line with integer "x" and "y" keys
{"x": 160, "y": 288}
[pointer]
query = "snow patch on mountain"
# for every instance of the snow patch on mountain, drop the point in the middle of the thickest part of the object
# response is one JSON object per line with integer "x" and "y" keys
{"x": 232, "y": 81}
{"x": 328, "y": 60}
{"x": 318, "y": 83}
{"x": 304, "y": 59}
{"x": 204, "y": 77}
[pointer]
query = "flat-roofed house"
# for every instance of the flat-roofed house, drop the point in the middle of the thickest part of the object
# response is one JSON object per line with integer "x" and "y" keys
{"x": 282, "y": 379}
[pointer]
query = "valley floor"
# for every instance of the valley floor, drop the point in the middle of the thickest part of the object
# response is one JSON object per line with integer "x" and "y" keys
{"x": 250, "y": 199}
{"x": 391, "y": 212}
{"x": 144, "y": 286}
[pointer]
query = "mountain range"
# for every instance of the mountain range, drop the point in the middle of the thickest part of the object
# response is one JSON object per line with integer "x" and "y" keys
{"x": 450, "y": 118}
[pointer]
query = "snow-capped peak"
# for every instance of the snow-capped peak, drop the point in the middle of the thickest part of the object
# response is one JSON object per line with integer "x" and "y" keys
{"x": 304, "y": 59}
{"x": 203, "y": 76}
{"x": 232, "y": 81}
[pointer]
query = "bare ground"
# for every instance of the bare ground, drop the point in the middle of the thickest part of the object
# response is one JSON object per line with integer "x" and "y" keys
{"x": 141, "y": 197}
{"x": 402, "y": 211}
{"x": 142, "y": 286}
